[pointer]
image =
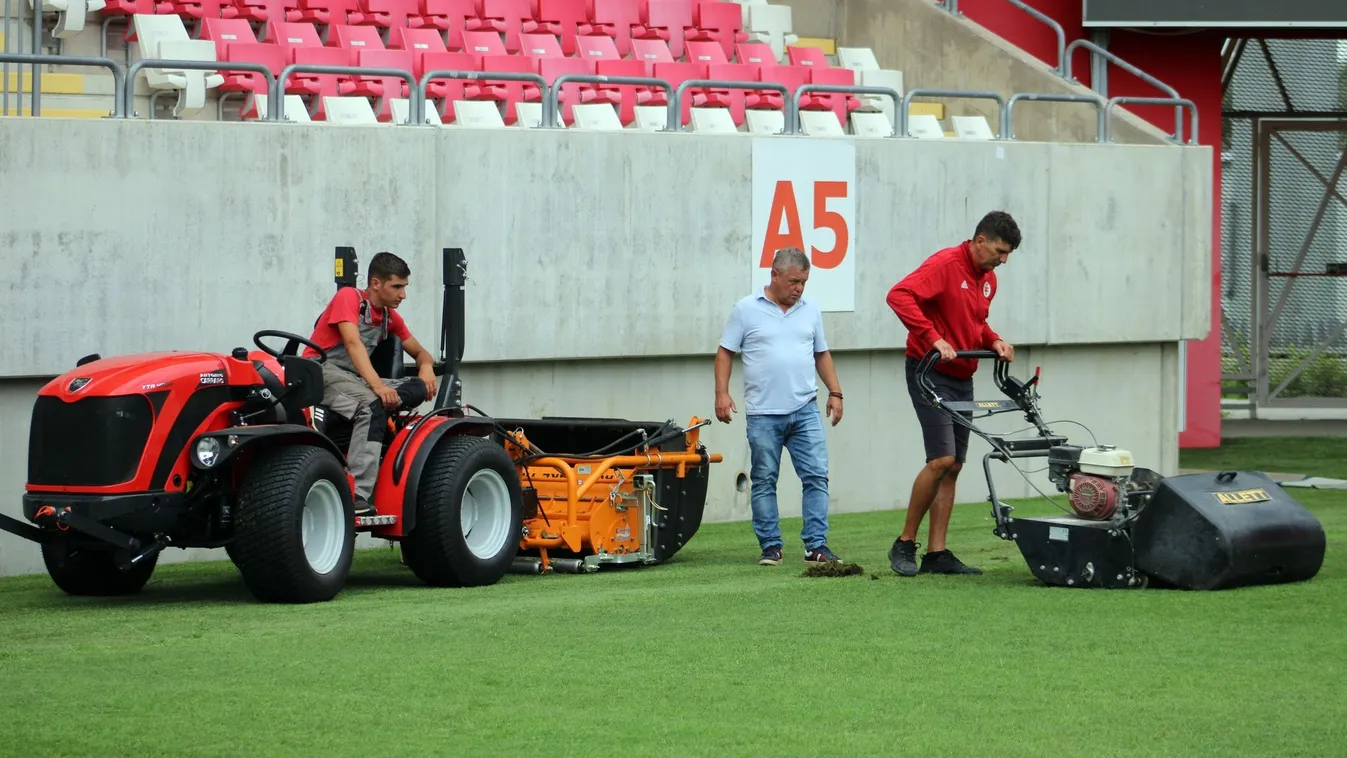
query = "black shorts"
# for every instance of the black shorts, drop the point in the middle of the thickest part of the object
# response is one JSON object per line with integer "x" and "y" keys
{"x": 942, "y": 436}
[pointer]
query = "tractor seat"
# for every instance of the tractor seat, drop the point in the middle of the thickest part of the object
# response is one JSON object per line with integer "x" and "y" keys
{"x": 303, "y": 386}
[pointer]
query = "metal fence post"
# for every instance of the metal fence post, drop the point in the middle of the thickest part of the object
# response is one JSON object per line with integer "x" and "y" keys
{"x": 118, "y": 79}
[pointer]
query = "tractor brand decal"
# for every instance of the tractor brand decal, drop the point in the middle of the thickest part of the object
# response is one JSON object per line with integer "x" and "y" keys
{"x": 212, "y": 378}
{"x": 623, "y": 534}
{"x": 78, "y": 384}
{"x": 1242, "y": 497}
{"x": 154, "y": 386}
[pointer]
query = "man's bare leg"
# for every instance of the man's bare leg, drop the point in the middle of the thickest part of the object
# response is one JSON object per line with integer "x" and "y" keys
{"x": 941, "y": 508}
{"x": 925, "y": 492}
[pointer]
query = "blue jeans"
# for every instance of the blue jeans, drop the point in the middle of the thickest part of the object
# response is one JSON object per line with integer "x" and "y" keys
{"x": 801, "y": 433}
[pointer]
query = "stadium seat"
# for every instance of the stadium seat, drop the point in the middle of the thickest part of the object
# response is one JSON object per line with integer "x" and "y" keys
{"x": 972, "y": 127}
{"x": 401, "y": 109}
{"x": 383, "y": 88}
{"x": 322, "y": 13}
{"x": 664, "y": 20}
{"x": 165, "y": 38}
{"x": 506, "y": 18}
{"x": 271, "y": 56}
{"x": 446, "y": 18}
{"x": 841, "y": 104}
{"x": 507, "y": 94}
{"x": 806, "y": 56}
{"x": 614, "y": 19}
{"x": 770, "y": 25}
{"x": 292, "y": 108}
{"x": 597, "y": 117}
{"x": 871, "y": 124}
{"x": 383, "y": 14}
{"x": 538, "y": 45}
{"x": 628, "y": 96}
{"x": 708, "y": 53}
{"x": 924, "y": 126}
{"x": 596, "y": 47}
{"x": 225, "y": 32}
{"x": 562, "y": 19}
{"x": 758, "y": 53}
{"x": 718, "y": 22}
{"x": 731, "y": 100}
{"x": 446, "y": 91}
{"x": 347, "y": 111}
{"x": 70, "y": 15}
{"x": 477, "y": 114}
{"x": 857, "y": 58}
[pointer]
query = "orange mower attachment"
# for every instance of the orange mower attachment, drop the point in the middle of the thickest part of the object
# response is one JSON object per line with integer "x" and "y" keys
{"x": 636, "y": 498}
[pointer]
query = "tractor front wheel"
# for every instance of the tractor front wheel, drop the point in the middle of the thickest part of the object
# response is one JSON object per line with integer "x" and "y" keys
{"x": 93, "y": 571}
{"x": 469, "y": 514}
{"x": 295, "y": 530}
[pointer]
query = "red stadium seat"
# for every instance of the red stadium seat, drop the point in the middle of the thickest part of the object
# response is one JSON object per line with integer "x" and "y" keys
{"x": 718, "y": 22}
{"x": 481, "y": 44}
{"x": 262, "y": 12}
{"x": 271, "y": 56}
{"x": 733, "y": 99}
{"x": 596, "y": 48}
{"x": 706, "y": 52}
{"x": 664, "y": 20}
{"x": 384, "y": 14}
{"x": 755, "y": 52}
{"x": 791, "y": 77}
{"x": 650, "y": 52}
{"x": 561, "y": 18}
{"x": 448, "y": 17}
{"x": 383, "y": 87}
{"x": 613, "y": 19}
{"x": 448, "y": 90}
{"x": 540, "y": 46}
{"x": 507, "y": 18}
{"x": 676, "y": 73}
{"x": 837, "y": 102}
{"x": 806, "y": 56}
{"x": 322, "y": 12}
{"x": 225, "y": 32}
{"x": 354, "y": 37}
{"x": 572, "y": 93}
{"x": 507, "y": 94}
{"x": 628, "y": 96}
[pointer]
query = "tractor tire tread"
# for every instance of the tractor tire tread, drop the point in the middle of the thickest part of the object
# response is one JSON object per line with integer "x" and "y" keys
{"x": 266, "y": 547}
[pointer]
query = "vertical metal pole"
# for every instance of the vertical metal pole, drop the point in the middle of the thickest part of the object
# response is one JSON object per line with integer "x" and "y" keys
{"x": 37, "y": 70}
{"x": 1258, "y": 282}
{"x": 4, "y": 110}
{"x": 1099, "y": 64}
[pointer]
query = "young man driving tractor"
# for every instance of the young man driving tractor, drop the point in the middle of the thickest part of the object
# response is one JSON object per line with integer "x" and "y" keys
{"x": 352, "y": 325}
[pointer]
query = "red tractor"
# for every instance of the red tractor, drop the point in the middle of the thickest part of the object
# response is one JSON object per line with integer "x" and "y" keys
{"x": 131, "y": 455}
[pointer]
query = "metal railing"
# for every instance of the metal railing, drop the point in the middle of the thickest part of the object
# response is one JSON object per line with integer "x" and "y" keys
{"x": 1007, "y": 116}
{"x": 674, "y": 117}
{"x": 418, "y": 105}
{"x": 35, "y": 88}
{"x": 159, "y": 64}
{"x": 1180, "y": 102}
{"x": 276, "y": 86}
{"x": 552, "y": 99}
{"x": 967, "y": 94}
{"x": 1129, "y": 68}
{"x": 793, "y": 109}
{"x": 1048, "y": 20}
{"x": 118, "y": 79}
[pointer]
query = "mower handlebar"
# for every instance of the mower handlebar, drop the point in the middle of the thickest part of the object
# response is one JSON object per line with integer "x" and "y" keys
{"x": 973, "y": 354}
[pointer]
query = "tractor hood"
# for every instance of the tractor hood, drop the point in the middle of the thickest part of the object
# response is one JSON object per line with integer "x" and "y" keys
{"x": 150, "y": 372}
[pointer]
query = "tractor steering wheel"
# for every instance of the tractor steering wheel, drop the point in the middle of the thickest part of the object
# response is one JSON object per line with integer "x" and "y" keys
{"x": 291, "y": 346}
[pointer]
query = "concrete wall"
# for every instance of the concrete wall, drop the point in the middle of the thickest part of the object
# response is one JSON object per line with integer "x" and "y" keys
{"x": 599, "y": 276}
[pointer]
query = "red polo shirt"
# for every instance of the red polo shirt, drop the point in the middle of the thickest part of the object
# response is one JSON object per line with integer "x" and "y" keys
{"x": 947, "y": 297}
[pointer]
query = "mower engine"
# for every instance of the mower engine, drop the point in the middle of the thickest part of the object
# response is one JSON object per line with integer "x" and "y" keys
{"x": 1095, "y": 478}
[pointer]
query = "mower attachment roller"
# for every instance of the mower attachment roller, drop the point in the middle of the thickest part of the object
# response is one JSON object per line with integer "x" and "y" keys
{"x": 1128, "y": 526}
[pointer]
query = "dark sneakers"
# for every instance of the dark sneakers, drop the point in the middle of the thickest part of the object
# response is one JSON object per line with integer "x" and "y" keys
{"x": 771, "y": 556}
{"x": 944, "y": 562}
{"x": 363, "y": 508}
{"x": 903, "y": 557}
{"x": 821, "y": 554}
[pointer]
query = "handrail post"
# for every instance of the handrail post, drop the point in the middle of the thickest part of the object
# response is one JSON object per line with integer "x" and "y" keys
{"x": 847, "y": 89}
{"x": 1178, "y": 102}
{"x": 1007, "y": 116}
{"x": 674, "y": 117}
{"x": 552, "y": 97}
{"x": 419, "y": 97}
{"x": 1134, "y": 71}
{"x": 118, "y": 77}
{"x": 1051, "y": 22}
{"x": 954, "y": 93}
{"x": 129, "y": 90}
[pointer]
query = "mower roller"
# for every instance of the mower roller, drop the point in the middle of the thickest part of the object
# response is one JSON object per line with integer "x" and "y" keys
{"x": 1127, "y": 526}
{"x": 133, "y": 454}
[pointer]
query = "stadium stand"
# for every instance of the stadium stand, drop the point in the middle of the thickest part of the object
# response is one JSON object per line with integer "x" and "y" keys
{"x": 527, "y": 41}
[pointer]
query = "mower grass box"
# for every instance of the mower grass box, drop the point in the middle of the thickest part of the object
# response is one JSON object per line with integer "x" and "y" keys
{"x": 130, "y": 455}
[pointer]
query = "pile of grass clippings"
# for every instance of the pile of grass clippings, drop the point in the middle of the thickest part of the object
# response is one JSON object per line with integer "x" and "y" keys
{"x": 833, "y": 568}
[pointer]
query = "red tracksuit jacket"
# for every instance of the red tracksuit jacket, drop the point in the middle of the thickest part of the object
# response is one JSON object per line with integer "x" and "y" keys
{"x": 946, "y": 297}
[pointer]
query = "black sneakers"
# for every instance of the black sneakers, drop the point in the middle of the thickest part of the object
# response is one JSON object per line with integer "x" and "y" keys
{"x": 903, "y": 557}
{"x": 903, "y": 561}
{"x": 944, "y": 562}
{"x": 771, "y": 556}
{"x": 363, "y": 508}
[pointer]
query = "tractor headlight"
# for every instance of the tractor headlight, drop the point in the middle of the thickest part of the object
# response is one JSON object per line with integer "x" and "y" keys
{"x": 207, "y": 451}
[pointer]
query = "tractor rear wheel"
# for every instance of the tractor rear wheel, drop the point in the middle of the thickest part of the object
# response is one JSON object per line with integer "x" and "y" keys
{"x": 93, "y": 571}
{"x": 295, "y": 531}
{"x": 469, "y": 515}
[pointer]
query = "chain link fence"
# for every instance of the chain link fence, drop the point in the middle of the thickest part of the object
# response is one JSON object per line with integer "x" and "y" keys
{"x": 1283, "y": 315}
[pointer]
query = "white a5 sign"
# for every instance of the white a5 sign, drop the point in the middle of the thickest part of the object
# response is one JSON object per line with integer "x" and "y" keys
{"x": 804, "y": 195}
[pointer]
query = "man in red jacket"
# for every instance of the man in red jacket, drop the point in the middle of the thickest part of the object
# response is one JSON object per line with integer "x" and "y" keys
{"x": 944, "y": 305}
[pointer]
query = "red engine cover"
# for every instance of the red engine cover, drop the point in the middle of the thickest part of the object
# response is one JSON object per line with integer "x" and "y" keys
{"x": 1093, "y": 497}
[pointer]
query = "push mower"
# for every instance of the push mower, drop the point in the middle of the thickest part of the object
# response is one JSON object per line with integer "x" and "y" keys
{"x": 133, "y": 454}
{"x": 1127, "y": 526}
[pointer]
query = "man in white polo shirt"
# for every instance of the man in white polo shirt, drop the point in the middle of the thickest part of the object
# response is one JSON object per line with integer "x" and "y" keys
{"x": 780, "y": 336}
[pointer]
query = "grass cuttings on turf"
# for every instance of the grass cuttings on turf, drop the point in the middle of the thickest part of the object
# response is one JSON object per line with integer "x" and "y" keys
{"x": 711, "y": 655}
{"x": 833, "y": 568}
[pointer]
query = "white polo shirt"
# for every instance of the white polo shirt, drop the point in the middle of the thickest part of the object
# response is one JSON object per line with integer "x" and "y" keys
{"x": 778, "y": 349}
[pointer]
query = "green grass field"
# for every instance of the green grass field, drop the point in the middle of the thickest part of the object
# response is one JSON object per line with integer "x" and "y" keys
{"x": 710, "y": 655}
